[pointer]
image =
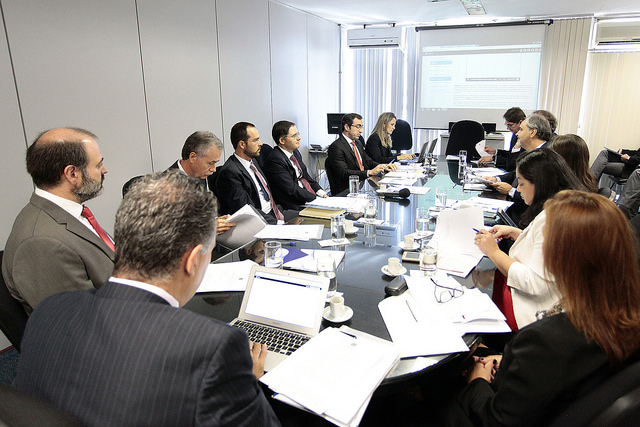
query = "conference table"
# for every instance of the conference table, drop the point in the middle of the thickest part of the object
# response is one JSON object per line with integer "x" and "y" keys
{"x": 359, "y": 275}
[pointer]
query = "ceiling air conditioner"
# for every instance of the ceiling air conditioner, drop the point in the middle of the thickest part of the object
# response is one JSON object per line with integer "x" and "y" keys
{"x": 375, "y": 37}
{"x": 610, "y": 33}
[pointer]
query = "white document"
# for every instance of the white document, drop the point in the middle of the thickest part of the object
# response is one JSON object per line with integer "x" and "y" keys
{"x": 227, "y": 276}
{"x": 487, "y": 205}
{"x": 248, "y": 223}
{"x": 350, "y": 204}
{"x": 331, "y": 242}
{"x": 452, "y": 157}
{"x": 489, "y": 171}
{"x": 334, "y": 374}
{"x": 309, "y": 260}
{"x": 415, "y": 331}
{"x": 398, "y": 181}
{"x": 472, "y": 311}
{"x": 290, "y": 232}
{"x": 412, "y": 189}
{"x": 406, "y": 174}
{"x": 480, "y": 148}
{"x": 457, "y": 252}
{"x": 474, "y": 186}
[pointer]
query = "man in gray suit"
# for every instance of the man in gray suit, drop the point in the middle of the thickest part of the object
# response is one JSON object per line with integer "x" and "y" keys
{"x": 56, "y": 243}
{"x": 126, "y": 354}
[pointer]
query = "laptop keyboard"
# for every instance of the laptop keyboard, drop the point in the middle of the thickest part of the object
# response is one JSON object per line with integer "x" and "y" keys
{"x": 277, "y": 340}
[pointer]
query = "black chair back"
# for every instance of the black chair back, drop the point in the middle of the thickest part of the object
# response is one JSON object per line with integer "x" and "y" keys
{"x": 401, "y": 137}
{"x": 127, "y": 185}
{"x": 13, "y": 318}
{"x": 464, "y": 135}
{"x": 332, "y": 177}
{"x": 264, "y": 153}
{"x": 18, "y": 408}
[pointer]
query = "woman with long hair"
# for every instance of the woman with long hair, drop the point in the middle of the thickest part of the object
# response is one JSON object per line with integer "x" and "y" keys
{"x": 594, "y": 334}
{"x": 521, "y": 287}
{"x": 378, "y": 145}
{"x": 575, "y": 152}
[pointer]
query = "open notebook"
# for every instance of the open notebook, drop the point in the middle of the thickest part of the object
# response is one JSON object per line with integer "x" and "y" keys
{"x": 283, "y": 309}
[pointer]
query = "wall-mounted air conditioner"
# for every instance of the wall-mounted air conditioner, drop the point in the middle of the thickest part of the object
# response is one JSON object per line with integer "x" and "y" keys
{"x": 375, "y": 37}
{"x": 617, "y": 32}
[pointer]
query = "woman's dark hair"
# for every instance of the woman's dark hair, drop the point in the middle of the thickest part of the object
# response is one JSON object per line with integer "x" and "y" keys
{"x": 549, "y": 173}
{"x": 575, "y": 152}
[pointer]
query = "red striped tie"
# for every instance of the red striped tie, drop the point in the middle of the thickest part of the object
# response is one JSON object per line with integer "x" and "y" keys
{"x": 303, "y": 180}
{"x": 86, "y": 212}
{"x": 267, "y": 194}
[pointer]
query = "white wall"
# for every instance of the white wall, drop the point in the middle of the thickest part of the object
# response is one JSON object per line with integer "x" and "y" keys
{"x": 144, "y": 79}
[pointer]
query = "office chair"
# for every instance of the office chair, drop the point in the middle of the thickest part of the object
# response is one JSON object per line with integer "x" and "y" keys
{"x": 432, "y": 145}
{"x": 401, "y": 137}
{"x": 464, "y": 135}
{"x": 332, "y": 177}
{"x": 615, "y": 402}
{"x": 13, "y": 318}
{"x": 616, "y": 183}
{"x": 19, "y": 409}
{"x": 127, "y": 185}
{"x": 264, "y": 153}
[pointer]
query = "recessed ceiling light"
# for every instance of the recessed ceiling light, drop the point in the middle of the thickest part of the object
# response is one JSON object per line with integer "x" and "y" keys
{"x": 474, "y": 7}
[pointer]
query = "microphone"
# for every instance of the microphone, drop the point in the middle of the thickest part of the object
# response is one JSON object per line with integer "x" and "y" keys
{"x": 403, "y": 193}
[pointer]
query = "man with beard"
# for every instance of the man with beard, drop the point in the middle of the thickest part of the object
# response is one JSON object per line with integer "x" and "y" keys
{"x": 56, "y": 243}
{"x": 240, "y": 181}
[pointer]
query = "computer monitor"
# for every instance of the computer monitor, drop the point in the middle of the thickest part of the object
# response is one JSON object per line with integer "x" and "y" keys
{"x": 333, "y": 123}
{"x": 489, "y": 127}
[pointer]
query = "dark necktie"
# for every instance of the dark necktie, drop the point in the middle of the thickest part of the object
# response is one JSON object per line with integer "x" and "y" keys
{"x": 266, "y": 192}
{"x": 86, "y": 212}
{"x": 302, "y": 179}
{"x": 357, "y": 153}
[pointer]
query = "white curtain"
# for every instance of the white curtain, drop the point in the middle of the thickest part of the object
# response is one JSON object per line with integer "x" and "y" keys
{"x": 562, "y": 71}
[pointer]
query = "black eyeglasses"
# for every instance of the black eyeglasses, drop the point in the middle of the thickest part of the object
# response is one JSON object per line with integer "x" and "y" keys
{"x": 356, "y": 126}
{"x": 444, "y": 294}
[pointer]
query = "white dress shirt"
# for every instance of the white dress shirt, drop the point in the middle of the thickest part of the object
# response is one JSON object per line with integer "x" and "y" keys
{"x": 149, "y": 288}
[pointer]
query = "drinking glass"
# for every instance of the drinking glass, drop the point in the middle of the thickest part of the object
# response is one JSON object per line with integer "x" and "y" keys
{"x": 441, "y": 198}
{"x": 273, "y": 254}
{"x": 337, "y": 227}
{"x": 462, "y": 158}
{"x": 371, "y": 209}
{"x": 422, "y": 222}
{"x": 429, "y": 257}
{"x": 326, "y": 267}
{"x": 354, "y": 185}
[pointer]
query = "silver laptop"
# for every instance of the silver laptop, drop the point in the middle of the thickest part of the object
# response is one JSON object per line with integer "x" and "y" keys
{"x": 283, "y": 309}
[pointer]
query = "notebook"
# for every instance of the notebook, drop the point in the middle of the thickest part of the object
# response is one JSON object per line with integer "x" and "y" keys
{"x": 283, "y": 309}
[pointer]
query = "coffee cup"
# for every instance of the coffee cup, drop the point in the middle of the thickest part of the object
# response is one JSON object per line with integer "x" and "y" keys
{"x": 409, "y": 241}
{"x": 348, "y": 225}
{"x": 336, "y": 307}
{"x": 394, "y": 267}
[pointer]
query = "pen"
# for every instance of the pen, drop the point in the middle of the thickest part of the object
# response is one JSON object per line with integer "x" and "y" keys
{"x": 289, "y": 244}
{"x": 348, "y": 334}
{"x": 411, "y": 310}
{"x": 476, "y": 230}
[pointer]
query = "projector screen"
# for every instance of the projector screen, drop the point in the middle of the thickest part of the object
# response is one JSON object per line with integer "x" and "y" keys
{"x": 477, "y": 73}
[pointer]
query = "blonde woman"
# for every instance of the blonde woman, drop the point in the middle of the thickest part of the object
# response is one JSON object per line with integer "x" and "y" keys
{"x": 379, "y": 143}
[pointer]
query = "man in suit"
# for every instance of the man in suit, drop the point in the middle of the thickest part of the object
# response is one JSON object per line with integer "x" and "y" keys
{"x": 200, "y": 153}
{"x": 126, "y": 354}
{"x": 348, "y": 156}
{"x": 506, "y": 159}
{"x": 56, "y": 244}
{"x": 290, "y": 183}
{"x": 240, "y": 181}
{"x": 619, "y": 165}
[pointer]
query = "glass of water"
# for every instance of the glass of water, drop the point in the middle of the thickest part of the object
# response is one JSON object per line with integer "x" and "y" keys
{"x": 354, "y": 185}
{"x": 273, "y": 254}
{"x": 429, "y": 257}
{"x": 371, "y": 209}
{"x": 337, "y": 227}
{"x": 462, "y": 158}
{"x": 441, "y": 198}
{"x": 326, "y": 267}
{"x": 422, "y": 222}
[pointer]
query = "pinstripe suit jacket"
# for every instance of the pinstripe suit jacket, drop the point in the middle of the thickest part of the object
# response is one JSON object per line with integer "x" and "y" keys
{"x": 120, "y": 355}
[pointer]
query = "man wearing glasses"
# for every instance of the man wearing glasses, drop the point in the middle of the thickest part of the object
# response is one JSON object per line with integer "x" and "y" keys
{"x": 506, "y": 159}
{"x": 348, "y": 156}
{"x": 290, "y": 182}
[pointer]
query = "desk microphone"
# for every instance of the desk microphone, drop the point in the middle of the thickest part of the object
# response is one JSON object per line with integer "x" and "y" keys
{"x": 403, "y": 193}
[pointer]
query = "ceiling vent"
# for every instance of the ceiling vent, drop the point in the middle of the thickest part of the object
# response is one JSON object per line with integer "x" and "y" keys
{"x": 375, "y": 37}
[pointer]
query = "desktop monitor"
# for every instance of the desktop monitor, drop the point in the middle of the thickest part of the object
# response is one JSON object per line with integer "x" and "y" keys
{"x": 489, "y": 127}
{"x": 333, "y": 123}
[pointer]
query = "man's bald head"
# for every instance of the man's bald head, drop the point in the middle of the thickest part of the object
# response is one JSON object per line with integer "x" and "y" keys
{"x": 53, "y": 150}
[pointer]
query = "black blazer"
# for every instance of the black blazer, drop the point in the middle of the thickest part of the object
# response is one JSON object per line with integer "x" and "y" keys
{"x": 202, "y": 181}
{"x": 234, "y": 188}
{"x": 345, "y": 162}
{"x": 283, "y": 180}
{"x": 377, "y": 151}
{"x": 545, "y": 367}
{"x": 123, "y": 356}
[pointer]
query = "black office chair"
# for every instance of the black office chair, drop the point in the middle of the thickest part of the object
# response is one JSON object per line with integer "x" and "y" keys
{"x": 615, "y": 402}
{"x": 19, "y": 409}
{"x": 464, "y": 135}
{"x": 401, "y": 137}
{"x": 332, "y": 177}
{"x": 264, "y": 153}
{"x": 127, "y": 185}
{"x": 616, "y": 183}
{"x": 13, "y": 318}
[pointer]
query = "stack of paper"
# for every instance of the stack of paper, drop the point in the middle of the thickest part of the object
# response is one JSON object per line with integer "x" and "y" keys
{"x": 307, "y": 259}
{"x": 334, "y": 374}
{"x": 350, "y": 204}
{"x": 291, "y": 232}
{"x": 248, "y": 222}
{"x": 227, "y": 276}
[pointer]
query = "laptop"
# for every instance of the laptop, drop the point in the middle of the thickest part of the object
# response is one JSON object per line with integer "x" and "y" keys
{"x": 283, "y": 309}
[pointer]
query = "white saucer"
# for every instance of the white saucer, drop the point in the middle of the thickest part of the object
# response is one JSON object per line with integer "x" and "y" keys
{"x": 415, "y": 246}
{"x": 352, "y": 230}
{"x": 348, "y": 313}
{"x": 385, "y": 270}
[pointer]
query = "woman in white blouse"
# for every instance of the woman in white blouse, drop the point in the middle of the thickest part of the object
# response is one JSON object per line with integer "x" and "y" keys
{"x": 521, "y": 288}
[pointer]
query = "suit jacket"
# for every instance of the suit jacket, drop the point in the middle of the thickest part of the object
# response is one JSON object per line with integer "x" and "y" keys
{"x": 377, "y": 151}
{"x": 344, "y": 159}
{"x": 544, "y": 368}
{"x": 283, "y": 180}
{"x": 234, "y": 188}
{"x": 202, "y": 181}
{"x": 123, "y": 356}
{"x": 50, "y": 251}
